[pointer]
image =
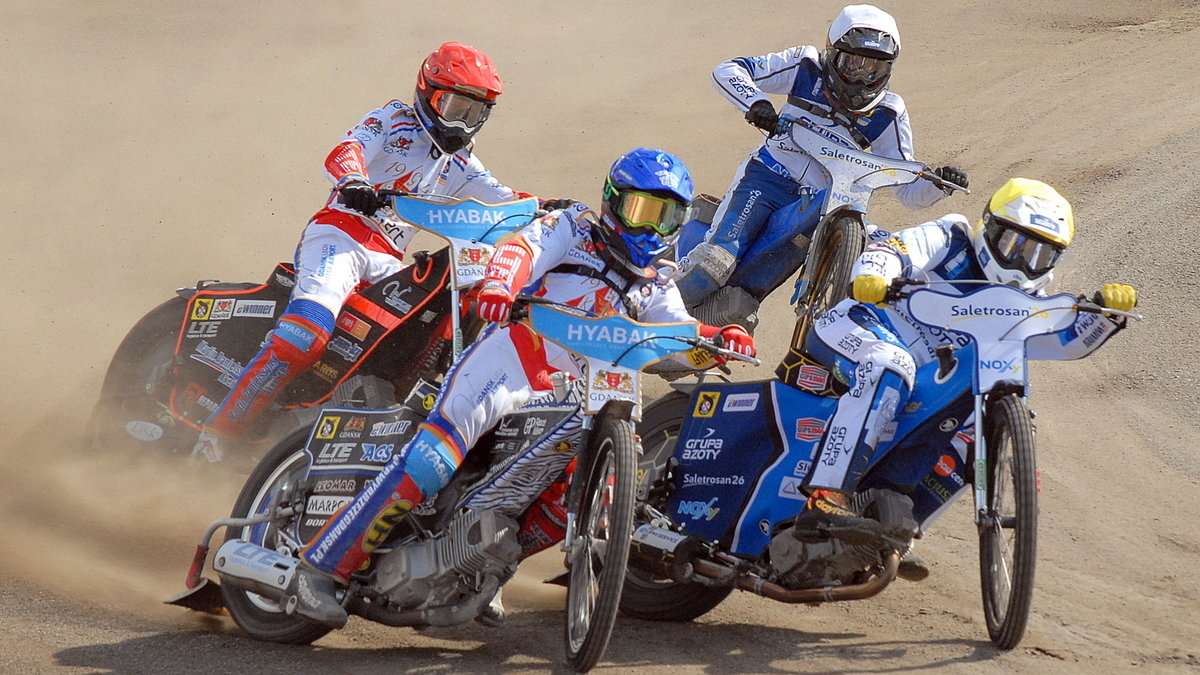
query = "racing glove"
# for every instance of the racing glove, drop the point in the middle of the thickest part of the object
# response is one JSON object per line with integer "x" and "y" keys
{"x": 732, "y": 337}
{"x": 1120, "y": 297}
{"x": 509, "y": 268}
{"x": 952, "y": 174}
{"x": 360, "y": 196}
{"x": 870, "y": 289}
{"x": 762, "y": 115}
{"x": 556, "y": 204}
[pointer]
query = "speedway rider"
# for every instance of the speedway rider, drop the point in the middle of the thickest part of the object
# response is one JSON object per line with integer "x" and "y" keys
{"x": 843, "y": 88}
{"x": 874, "y": 345}
{"x": 601, "y": 265}
{"x": 422, "y": 148}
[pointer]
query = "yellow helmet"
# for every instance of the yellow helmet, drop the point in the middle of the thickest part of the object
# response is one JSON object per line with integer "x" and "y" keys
{"x": 1025, "y": 228}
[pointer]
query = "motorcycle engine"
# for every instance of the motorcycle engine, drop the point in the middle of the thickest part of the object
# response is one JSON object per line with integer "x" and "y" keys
{"x": 476, "y": 545}
{"x": 814, "y": 564}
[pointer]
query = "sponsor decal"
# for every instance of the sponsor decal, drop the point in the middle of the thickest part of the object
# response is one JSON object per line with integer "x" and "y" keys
{"x": 334, "y": 453}
{"x": 328, "y": 426}
{"x": 706, "y": 404}
{"x": 428, "y": 401}
{"x": 384, "y": 523}
{"x": 377, "y": 453}
{"x": 336, "y": 485}
{"x": 146, "y": 432}
{"x": 810, "y": 428}
{"x": 946, "y": 467}
{"x": 473, "y": 257}
{"x": 699, "y": 510}
{"x": 949, "y": 424}
{"x": 356, "y": 423}
{"x": 222, "y": 309}
{"x": 534, "y": 426}
{"x": 345, "y": 349}
{"x": 691, "y": 480}
{"x": 790, "y": 488}
{"x": 326, "y": 372}
{"x": 931, "y": 484}
{"x": 352, "y": 325}
{"x": 610, "y": 381}
{"x": 393, "y": 296}
{"x": 201, "y": 309}
{"x": 323, "y": 505}
{"x": 199, "y": 330}
{"x": 390, "y": 428}
{"x": 703, "y": 449}
{"x": 802, "y": 468}
{"x": 697, "y": 357}
{"x": 812, "y": 377}
{"x": 740, "y": 403}
{"x": 970, "y": 311}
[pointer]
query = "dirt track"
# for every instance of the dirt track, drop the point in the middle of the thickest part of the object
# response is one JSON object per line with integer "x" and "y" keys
{"x": 154, "y": 144}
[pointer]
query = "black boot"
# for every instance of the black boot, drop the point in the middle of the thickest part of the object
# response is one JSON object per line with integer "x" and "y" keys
{"x": 312, "y": 595}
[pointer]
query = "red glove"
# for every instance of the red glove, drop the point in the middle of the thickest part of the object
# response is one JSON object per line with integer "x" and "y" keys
{"x": 509, "y": 268}
{"x": 732, "y": 337}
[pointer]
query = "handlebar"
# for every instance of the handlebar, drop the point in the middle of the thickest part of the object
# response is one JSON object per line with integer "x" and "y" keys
{"x": 901, "y": 287}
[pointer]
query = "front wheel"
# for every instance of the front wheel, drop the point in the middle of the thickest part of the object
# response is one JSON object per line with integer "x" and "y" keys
{"x": 836, "y": 246}
{"x": 278, "y": 478}
{"x": 599, "y": 554}
{"x": 1008, "y": 531}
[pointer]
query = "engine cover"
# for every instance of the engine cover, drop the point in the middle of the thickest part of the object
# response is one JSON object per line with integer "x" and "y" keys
{"x": 428, "y": 573}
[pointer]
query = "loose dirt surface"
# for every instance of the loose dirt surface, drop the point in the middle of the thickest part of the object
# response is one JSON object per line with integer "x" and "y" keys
{"x": 153, "y": 144}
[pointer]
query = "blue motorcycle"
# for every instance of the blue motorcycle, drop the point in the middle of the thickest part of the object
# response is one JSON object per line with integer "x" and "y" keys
{"x": 725, "y": 463}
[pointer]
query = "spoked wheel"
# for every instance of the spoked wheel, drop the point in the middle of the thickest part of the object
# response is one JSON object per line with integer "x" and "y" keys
{"x": 1008, "y": 534}
{"x": 600, "y": 553}
{"x": 275, "y": 480}
{"x": 647, "y": 595}
{"x": 836, "y": 246}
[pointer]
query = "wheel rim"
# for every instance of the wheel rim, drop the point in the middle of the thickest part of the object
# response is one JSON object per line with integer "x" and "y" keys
{"x": 589, "y": 550}
{"x": 267, "y": 534}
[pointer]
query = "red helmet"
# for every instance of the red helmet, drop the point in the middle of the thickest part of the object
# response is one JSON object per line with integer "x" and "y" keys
{"x": 456, "y": 89}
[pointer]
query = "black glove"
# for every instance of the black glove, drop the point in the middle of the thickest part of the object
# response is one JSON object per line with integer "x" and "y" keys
{"x": 556, "y": 204}
{"x": 360, "y": 196}
{"x": 952, "y": 174}
{"x": 762, "y": 115}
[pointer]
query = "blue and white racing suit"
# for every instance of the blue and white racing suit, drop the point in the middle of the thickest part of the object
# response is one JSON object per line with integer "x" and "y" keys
{"x": 877, "y": 350}
{"x": 772, "y": 176}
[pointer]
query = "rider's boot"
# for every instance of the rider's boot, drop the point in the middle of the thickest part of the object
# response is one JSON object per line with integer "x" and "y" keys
{"x": 827, "y": 515}
{"x": 912, "y": 567}
{"x": 312, "y": 595}
{"x": 493, "y": 614}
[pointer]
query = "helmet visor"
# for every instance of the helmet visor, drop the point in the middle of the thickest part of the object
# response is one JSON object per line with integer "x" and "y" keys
{"x": 860, "y": 69}
{"x": 643, "y": 211}
{"x": 459, "y": 109}
{"x": 1016, "y": 249}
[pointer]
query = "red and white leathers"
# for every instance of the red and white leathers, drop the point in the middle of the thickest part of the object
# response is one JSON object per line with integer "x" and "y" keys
{"x": 342, "y": 249}
{"x": 878, "y": 350}
{"x": 501, "y": 371}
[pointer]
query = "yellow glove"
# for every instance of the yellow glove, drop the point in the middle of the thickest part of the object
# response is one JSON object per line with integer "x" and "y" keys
{"x": 870, "y": 288}
{"x": 1114, "y": 296}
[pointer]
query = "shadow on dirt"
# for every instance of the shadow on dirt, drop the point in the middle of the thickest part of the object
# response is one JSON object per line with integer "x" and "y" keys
{"x": 530, "y": 642}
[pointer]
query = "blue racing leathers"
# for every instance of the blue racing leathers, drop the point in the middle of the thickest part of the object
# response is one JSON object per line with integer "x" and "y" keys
{"x": 772, "y": 175}
{"x": 877, "y": 350}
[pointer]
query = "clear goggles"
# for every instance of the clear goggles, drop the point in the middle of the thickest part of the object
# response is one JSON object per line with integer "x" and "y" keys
{"x": 1015, "y": 248}
{"x": 453, "y": 106}
{"x": 861, "y": 69}
{"x": 643, "y": 212}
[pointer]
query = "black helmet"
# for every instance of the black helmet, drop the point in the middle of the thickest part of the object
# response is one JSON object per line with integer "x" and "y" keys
{"x": 862, "y": 44}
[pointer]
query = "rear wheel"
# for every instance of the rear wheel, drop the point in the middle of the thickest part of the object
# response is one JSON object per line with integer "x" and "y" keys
{"x": 132, "y": 408}
{"x": 1008, "y": 535}
{"x": 835, "y": 248}
{"x": 647, "y": 596}
{"x": 278, "y": 479}
{"x": 599, "y": 555}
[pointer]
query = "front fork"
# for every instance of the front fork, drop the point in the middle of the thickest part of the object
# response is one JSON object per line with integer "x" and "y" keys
{"x": 582, "y": 468}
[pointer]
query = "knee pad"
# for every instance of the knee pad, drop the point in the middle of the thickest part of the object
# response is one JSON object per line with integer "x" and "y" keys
{"x": 710, "y": 259}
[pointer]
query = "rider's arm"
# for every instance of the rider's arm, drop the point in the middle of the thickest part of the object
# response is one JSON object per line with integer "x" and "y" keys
{"x": 348, "y": 160}
{"x": 896, "y": 142}
{"x": 551, "y": 238}
{"x": 747, "y": 79}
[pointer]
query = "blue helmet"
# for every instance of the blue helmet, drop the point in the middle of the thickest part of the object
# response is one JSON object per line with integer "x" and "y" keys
{"x": 646, "y": 198}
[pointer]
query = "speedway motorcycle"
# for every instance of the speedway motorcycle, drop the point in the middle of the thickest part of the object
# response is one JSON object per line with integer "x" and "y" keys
{"x": 180, "y": 360}
{"x": 444, "y": 562}
{"x": 724, "y": 463}
{"x": 820, "y": 235}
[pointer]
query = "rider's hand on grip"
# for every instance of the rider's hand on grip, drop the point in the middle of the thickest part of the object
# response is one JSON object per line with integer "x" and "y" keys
{"x": 556, "y": 204}
{"x": 360, "y": 196}
{"x": 1120, "y": 297}
{"x": 494, "y": 302}
{"x": 870, "y": 289}
{"x": 762, "y": 115}
{"x": 735, "y": 338}
{"x": 952, "y": 174}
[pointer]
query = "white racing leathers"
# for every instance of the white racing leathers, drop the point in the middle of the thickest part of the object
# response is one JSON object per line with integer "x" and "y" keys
{"x": 877, "y": 350}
